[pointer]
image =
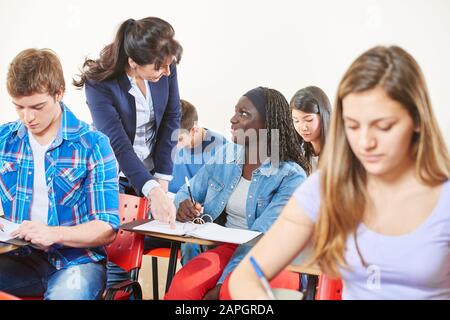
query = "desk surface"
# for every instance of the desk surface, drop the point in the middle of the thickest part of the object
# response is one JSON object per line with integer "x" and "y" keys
{"x": 185, "y": 239}
{"x": 305, "y": 269}
{"x": 6, "y": 247}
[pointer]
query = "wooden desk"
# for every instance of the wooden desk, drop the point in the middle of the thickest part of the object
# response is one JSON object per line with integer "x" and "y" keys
{"x": 309, "y": 275}
{"x": 312, "y": 270}
{"x": 175, "y": 244}
{"x": 183, "y": 239}
{"x": 309, "y": 279}
{"x": 6, "y": 247}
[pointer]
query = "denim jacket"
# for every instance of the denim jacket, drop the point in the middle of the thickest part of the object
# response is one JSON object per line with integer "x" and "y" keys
{"x": 270, "y": 189}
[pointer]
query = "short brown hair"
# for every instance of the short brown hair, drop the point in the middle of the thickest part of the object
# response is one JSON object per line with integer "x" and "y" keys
{"x": 35, "y": 71}
{"x": 189, "y": 115}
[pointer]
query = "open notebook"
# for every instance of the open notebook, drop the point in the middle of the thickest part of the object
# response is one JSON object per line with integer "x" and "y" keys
{"x": 8, "y": 228}
{"x": 208, "y": 231}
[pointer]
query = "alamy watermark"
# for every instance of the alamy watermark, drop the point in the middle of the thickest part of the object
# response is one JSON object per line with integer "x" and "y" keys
{"x": 255, "y": 141}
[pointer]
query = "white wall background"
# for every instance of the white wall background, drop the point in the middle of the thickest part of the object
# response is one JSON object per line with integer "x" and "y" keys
{"x": 231, "y": 46}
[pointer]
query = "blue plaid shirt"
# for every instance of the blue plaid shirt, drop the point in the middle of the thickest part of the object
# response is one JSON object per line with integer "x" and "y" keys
{"x": 82, "y": 179}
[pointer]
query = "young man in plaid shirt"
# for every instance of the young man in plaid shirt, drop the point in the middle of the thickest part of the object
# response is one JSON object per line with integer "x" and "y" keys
{"x": 59, "y": 181}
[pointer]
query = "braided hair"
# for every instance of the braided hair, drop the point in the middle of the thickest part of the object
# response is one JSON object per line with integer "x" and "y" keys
{"x": 278, "y": 116}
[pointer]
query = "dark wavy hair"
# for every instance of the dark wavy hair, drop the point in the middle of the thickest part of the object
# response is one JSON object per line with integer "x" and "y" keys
{"x": 313, "y": 100}
{"x": 146, "y": 41}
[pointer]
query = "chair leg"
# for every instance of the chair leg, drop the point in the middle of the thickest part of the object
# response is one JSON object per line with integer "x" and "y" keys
{"x": 174, "y": 248}
{"x": 137, "y": 292}
{"x": 311, "y": 287}
{"x": 155, "y": 278}
{"x": 303, "y": 282}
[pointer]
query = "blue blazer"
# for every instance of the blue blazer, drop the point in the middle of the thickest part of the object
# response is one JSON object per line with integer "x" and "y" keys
{"x": 113, "y": 111}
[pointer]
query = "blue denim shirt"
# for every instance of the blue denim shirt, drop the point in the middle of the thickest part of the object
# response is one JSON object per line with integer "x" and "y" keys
{"x": 270, "y": 189}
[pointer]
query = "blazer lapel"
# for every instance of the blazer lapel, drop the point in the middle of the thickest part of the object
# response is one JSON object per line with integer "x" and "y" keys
{"x": 128, "y": 109}
{"x": 157, "y": 99}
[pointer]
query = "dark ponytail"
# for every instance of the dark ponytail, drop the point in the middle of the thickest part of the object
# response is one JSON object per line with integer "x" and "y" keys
{"x": 146, "y": 41}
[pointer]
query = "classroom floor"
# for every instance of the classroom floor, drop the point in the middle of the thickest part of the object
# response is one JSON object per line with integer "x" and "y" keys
{"x": 145, "y": 277}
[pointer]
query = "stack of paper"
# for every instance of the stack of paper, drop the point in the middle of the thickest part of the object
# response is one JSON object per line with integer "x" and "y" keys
{"x": 8, "y": 228}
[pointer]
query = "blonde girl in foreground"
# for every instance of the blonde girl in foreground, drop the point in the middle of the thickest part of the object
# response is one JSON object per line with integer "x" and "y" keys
{"x": 378, "y": 209}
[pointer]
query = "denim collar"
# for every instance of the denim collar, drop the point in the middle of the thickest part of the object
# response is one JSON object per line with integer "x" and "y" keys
{"x": 235, "y": 153}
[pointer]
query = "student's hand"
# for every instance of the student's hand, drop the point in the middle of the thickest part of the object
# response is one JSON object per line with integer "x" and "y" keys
{"x": 164, "y": 184}
{"x": 38, "y": 234}
{"x": 162, "y": 206}
{"x": 213, "y": 294}
{"x": 187, "y": 211}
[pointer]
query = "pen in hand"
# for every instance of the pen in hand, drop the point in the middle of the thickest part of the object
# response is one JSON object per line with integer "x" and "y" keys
{"x": 196, "y": 206}
{"x": 262, "y": 278}
{"x": 189, "y": 190}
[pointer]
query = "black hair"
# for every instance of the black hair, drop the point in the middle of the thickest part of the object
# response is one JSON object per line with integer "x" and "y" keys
{"x": 313, "y": 100}
{"x": 278, "y": 116}
{"x": 146, "y": 41}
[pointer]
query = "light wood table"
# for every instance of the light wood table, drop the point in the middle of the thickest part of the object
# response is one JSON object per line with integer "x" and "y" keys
{"x": 299, "y": 268}
{"x": 175, "y": 244}
{"x": 309, "y": 274}
{"x": 6, "y": 247}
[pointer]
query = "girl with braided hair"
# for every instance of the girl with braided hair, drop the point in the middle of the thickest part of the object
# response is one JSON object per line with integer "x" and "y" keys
{"x": 244, "y": 186}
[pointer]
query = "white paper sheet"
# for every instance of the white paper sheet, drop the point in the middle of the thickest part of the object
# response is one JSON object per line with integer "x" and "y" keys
{"x": 8, "y": 227}
{"x": 207, "y": 231}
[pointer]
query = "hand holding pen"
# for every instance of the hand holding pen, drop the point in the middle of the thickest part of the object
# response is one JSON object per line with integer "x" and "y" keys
{"x": 189, "y": 209}
{"x": 262, "y": 278}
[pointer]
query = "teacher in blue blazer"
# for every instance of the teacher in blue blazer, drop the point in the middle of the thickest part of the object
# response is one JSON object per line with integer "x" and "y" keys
{"x": 132, "y": 94}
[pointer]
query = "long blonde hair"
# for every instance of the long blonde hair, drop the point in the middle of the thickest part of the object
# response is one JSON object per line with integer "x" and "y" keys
{"x": 343, "y": 178}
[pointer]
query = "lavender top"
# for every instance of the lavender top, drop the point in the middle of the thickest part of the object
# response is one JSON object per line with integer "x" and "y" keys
{"x": 411, "y": 266}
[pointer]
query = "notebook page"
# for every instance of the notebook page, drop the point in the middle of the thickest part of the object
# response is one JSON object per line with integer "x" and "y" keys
{"x": 215, "y": 232}
{"x": 8, "y": 228}
{"x": 181, "y": 228}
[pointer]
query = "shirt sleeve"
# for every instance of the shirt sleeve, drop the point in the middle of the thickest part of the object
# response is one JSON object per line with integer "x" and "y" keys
{"x": 102, "y": 184}
{"x": 166, "y": 177}
{"x": 149, "y": 186}
{"x": 307, "y": 196}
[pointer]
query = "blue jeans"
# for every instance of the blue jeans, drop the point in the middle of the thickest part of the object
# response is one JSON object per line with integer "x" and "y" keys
{"x": 26, "y": 272}
{"x": 189, "y": 251}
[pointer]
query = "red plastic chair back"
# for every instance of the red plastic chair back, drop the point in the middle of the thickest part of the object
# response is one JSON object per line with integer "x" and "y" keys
{"x": 160, "y": 253}
{"x": 7, "y": 296}
{"x": 127, "y": 249}
{"x": 329, "y": 289}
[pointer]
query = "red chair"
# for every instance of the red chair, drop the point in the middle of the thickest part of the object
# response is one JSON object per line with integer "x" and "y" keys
{"x": 155, "y": 254}
{"x": 329, "y": 288}
{"x": 7, "y": 296}
{"x": 127, "y": 249}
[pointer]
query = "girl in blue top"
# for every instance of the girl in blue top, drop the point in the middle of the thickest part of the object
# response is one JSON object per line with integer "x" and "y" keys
{"x": 249, "y": 181}
{"x": 378, "y": 209}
